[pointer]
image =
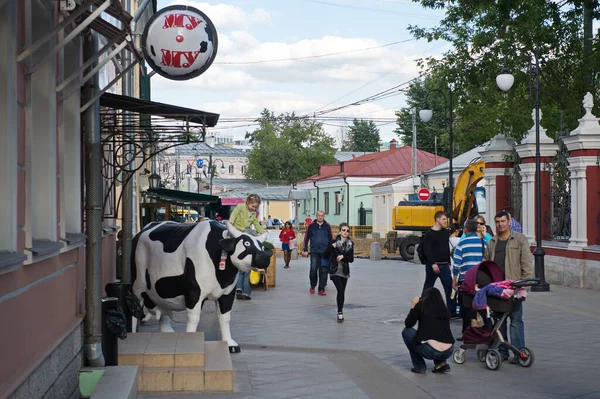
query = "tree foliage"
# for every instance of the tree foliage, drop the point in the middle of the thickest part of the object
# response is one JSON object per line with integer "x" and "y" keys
{"x": 287, "y": 148}
{"x": 362, "y": 136}
{"x": 487, "y": 34}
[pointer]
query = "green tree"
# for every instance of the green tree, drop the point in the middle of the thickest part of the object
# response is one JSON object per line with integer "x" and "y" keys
{"x": 487, "y": 34}
{"x": 288, "y": 148}
{"x": 363, "y": 136}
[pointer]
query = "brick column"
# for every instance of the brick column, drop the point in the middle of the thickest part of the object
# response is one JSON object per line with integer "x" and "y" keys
{"x": 497, "y": 182}
{"x": 526, "y": 151}
{"x": 584, "y": 164}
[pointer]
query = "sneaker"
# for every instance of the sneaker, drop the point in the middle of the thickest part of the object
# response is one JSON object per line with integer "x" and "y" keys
{"x": 246, "y": 297}
{"x": 238, "y": 294}
{"x": 312, "y": 291}
{"x": 459, "y": 338}
{"x": 514, "y": 360}
{"x": 417, "y": 371}
{"x": 340, "y": 317}
{"x": 442, "y": 368}
{"x": 322, "y": 293}
{"x": 286, "y": 267}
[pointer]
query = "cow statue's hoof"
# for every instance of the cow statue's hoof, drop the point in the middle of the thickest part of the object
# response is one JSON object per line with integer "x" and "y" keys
{"x": 234, "y": 349}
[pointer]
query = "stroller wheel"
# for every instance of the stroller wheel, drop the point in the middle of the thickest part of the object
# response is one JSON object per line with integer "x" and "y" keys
{"x": 493, "y": 359}
{"x": 459, "y": 356}
{"x": 525, "y": 357}
{"x": 481, "y": 355}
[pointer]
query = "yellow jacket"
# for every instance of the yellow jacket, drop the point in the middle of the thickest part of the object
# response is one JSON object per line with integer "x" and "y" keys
{"x": 243, "y": 219}
{"x": 518, "y": 262}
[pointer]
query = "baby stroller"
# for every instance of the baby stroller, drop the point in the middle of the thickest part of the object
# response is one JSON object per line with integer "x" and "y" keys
{"x": 486, "y": 340}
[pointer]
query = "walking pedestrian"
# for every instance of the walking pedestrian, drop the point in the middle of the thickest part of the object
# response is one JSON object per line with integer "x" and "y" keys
{"x": 433, "y": 339}
{"x": 514, "y": 223}
{"x": 437, "y": 254}
{"x": 341, "y": 253}
{"x": 468, "y": 253}
{"x": 286, "y": 235}
{"x": 244, "y": 218}
{"x": 318, "y": 234}
{"x": 510, "y": 250}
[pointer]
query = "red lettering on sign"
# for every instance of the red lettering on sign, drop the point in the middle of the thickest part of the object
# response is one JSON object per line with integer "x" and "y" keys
{"x": 186, "y": 21}
{"x": 172, "y": 58}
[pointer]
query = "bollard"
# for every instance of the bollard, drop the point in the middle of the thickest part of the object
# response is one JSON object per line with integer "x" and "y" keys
{"x": 375, "y": 253}
{"x": 110, "y": 345}
{"x": 119, "y": 290}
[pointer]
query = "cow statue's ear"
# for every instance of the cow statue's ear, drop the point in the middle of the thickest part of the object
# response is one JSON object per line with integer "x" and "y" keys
{"x": 228, "y": 244}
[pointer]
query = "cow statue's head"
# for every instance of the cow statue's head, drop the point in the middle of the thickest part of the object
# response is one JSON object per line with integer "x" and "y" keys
{"x": 246, "y": 251}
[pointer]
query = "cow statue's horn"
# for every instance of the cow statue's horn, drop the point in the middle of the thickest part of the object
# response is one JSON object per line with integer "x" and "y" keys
{"x": 233, "y": 231}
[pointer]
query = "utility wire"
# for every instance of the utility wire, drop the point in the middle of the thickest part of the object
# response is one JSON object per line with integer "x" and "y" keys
{"x": 313, "y": 56}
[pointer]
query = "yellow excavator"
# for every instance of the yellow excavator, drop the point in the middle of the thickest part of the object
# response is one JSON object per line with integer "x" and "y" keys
{"x": 417, "y": 216}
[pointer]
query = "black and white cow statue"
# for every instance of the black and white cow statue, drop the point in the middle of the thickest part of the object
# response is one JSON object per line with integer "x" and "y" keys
{"x": 178, "y": 266}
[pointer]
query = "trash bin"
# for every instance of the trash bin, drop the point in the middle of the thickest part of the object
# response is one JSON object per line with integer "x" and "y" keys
{"x": 113, "y": 327}
{"x": 390, "y": 243}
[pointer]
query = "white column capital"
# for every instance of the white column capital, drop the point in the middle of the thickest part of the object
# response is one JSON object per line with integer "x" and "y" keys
{"x": 528, "y": 150}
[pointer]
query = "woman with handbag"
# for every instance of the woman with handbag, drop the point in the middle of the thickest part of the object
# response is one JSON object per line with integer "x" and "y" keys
{"x": 288, "y": 239}
{"x": 338, "y": 256}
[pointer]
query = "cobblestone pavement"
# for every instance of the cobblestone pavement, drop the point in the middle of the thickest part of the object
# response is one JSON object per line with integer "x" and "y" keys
{"x": 292, "y": 346}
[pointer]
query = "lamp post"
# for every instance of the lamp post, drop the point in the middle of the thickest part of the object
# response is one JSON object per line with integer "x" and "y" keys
{"x": 212, "y": 168}
{"x": 426, "y": 114}
{"x": 505, "y": 81}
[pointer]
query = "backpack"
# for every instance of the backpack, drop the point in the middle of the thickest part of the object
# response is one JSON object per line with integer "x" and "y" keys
{"x": 421, "y": 253}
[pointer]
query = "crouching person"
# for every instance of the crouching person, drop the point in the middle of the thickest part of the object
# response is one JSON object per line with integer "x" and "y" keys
{"x": 433, "y": 339}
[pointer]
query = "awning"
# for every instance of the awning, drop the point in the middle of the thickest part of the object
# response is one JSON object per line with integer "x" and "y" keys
{"x": 148, "y": 107}
{"x": 299, "y": 194}
{"x": 181, "y": 197}
{"x": 232, "y": 201}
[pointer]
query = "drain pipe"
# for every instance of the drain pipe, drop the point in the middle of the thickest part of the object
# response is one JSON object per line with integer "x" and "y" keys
{"x": 93, "y": 212}
{"x": 347, "y": 200}
{"x": 316, "y": 210}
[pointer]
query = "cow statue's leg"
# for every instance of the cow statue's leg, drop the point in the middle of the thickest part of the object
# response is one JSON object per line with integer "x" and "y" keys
{"x": 193, "y": 317}
{"x": 224, "y": 305}
{"x": 165, "y": 322}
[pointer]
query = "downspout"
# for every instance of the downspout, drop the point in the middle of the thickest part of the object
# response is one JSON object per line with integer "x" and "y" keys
{"x": 93, "y": 212}
{"x": 315, "y": 184}
{"x": 347, "y": 200}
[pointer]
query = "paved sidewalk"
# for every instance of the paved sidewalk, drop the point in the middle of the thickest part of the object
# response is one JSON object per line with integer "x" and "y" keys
{"x": 292, "y": 347}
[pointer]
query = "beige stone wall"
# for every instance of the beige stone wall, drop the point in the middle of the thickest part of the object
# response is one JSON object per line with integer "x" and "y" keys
{"x": 579, "y": 273}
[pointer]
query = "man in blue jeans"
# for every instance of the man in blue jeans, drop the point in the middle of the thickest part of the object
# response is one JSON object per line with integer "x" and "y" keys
{"x": 511, "y": 251}
{"x": 319, "y": 235}
{"x": 436, "y": 247}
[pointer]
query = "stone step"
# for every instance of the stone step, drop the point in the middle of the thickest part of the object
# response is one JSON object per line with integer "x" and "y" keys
{"x": 182, "y": 362}
{"x": 117, "y": 382}
{"x": 218, "y": 372}
{"x": 162, "y": 350}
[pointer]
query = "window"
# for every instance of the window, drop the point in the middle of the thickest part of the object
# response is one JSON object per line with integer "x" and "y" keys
{"x": 338, "y": 202}
{"x": 10, "y": 111}
{"x": 243, "y": 169}
{"x": 326, "y": 201}
{"x": 231, "y": 169}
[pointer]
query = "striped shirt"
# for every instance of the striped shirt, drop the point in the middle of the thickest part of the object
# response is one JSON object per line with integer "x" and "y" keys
{"x": 468, "y": 253}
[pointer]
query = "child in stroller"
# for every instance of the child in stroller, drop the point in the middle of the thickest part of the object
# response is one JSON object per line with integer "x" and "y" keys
{"x": 484, "y": 289}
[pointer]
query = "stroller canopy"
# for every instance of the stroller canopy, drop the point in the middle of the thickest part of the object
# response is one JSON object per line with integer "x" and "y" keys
{"x": 483, "y": 274}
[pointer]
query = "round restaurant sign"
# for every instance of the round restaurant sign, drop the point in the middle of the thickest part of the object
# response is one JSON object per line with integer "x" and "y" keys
{"x": 179, "y": 42}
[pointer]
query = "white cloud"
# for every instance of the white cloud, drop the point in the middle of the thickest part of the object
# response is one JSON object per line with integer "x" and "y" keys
{"x": 214, "y": 78}
{"x": 226, "y": 16}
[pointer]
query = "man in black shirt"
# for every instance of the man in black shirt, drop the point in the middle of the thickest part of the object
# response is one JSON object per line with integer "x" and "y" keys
{"x": 436, "y": 247}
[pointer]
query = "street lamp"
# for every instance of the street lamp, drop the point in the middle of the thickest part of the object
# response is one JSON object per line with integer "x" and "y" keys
{"x": 505, "y": 81}
{"x": 426, "y": 114}
{"x": 154, "y": 181}
{"x": 212, "y": 168}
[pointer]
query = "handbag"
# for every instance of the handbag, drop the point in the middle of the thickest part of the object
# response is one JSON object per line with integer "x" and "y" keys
{"x": 254, "y": 277}
{"x": 293, "y": 244}
{"x": 325, "y": 262}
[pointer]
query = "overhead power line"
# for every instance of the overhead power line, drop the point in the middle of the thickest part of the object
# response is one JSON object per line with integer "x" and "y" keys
{"x": 313, "y": 56}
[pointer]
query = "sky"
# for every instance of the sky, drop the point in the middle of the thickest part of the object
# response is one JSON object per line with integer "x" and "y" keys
{"x": 379, "y": 53}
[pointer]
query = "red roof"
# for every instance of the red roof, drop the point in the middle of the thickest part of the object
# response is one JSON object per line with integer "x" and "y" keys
{"x": 392, "y": 163}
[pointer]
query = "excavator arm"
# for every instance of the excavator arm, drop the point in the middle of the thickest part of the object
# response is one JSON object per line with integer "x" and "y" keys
{"x": 464, "y": 188}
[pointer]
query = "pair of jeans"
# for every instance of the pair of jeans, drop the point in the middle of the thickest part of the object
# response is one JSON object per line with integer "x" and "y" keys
{"x": 243, "y": 283}
{"x": 445, "y": 276}
{"x": 419, "y": 351}
{"x": 517, "y": 330}
{"x": 317, "y": 273}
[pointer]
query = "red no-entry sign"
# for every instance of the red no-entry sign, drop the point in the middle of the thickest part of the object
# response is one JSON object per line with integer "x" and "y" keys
{"x": 424, "y": 194}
